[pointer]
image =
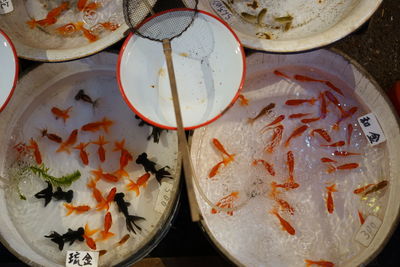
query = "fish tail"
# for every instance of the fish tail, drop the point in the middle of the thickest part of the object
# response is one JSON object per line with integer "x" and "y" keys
{"x": 106, "y": 235}
{"x": 133, "y": 187}
{"x": 95, "y": 103}
{"x": 121, "y": 173}
{"x": 63, "y": 148}
{"x": 103, "y": 205}
{"x": 331, "y": 169}
{"x": 69, "y": 208}
{"x": 31, "y": 23}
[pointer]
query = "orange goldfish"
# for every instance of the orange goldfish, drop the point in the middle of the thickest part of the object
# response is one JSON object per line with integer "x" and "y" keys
{"x": 361, "y": 217}
{"x": 278, "y": 73}
{"x": 286, "y": 186}
{"x": 349, "y": 132}
{"x": 328, "y": 160}
{"x": 290, "y": 164}
{"x": 106, "y": 203}
{"x": 82, "y": 152}
{"x": 297, "y": 132}
{"x": 67, "y": 29}
{"x": 36, "y": 152}
{"x": 296, "y": 102}
{"x": 226, "y": 202}
{"x": 108, "y": 177}
{"x": 96, "y": 126}
{"x": 285, "y": 206}
{"x": 59, "y": 113}
{"x": 298, "y": 115}
{"x": 96, "y": 192}
{"x": 275, "y": 139}
{"x": 321, "y": 263}
{"x": 329, "y": 200}
{"x": 76, "y": 209}
{"x": 323, "y": 108}
{"x": 123, "y": 240}
{"x": 225, "y": 160}
{"x": 87, "y": 33}
{"x": 347, "y": 114}
{"x": 106, "y": 234}
{"x": 309, "y": 120}
{"x": 243, "y": 100}
{"x": 285, "y": 224}
{"x": 221, "y": 148}
{"x": 124, "y": 158}
{"x": 267, "y": 166}
{"x": 142, "y": 181}
{"x": 65, "y": 146}
{"x": 110, "y": 25}
{"x": 337, "y": 144}
{"x": 276, "y": 121}
{"x": 303, "y": 78}
{"x": 81, "y": 4}
{"x": 345, "y": 153}
{"x": 87, "y": 236}
{"x": 101, "y": 151}
{"x": 347, "y": 166}
{"x": 322, "y": 133}
{"x": 51, "y": 17}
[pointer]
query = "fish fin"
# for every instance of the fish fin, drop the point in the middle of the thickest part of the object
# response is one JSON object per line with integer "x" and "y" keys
{"x": 69, "y": 208}
{"x": 31, "y": 23}
{"x": 121, "y": 173}
{"x": 63, "y": 148}
{"x": 105, "y": 235}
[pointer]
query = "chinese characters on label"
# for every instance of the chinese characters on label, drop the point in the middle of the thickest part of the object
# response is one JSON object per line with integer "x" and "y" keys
{"x": 6, "y": 6}
{"x": 371, "y": 128}
{"x": 82, "y": 258}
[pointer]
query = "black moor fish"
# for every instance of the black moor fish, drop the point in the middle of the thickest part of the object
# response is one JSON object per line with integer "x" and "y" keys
{"x": 81, "y": 95}
{"x": 155, "y": 131}
{"x": 47, "y": 194}
{"x": 71, "y": 236}
{"x": 123, "y": 207}
{"x": 150, "y": 166}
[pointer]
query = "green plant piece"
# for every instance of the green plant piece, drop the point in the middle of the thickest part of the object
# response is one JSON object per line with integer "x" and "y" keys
{"x": 65, "y": 180}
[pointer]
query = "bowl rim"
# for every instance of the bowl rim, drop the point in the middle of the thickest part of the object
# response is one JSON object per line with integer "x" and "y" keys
{"x": 142, "y": 116}
{"x": 16, "y": 72}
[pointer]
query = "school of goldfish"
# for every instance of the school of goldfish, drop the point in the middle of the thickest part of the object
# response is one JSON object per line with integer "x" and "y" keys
{"x": 68, "y": 143}
{"x": 85, "y": 7}
{"x": 283, "y": 209}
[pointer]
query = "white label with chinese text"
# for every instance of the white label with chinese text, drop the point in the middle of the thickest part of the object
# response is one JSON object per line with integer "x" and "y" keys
{"x": 371, "y": 128}
{"x": 222, "y": 10}
{"x": 81, "y": 258}
{"x": 6, "y": 6}
{"x": 163, "y": 197}
{"x": 368, "y": 230}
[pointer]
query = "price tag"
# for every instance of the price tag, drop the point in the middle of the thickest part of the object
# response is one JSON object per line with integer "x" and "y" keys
{"x": 222, "y": 10}
{"x": 371, "y": 128}
{"x": 82, "y": 258}
{"x": 6, "y": 6}
{"x": 368, "y": 230}
{"x": 163, "y": 197}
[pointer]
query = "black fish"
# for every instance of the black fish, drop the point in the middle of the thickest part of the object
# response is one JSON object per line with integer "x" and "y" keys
{"x": 150, "y": 166}
{"x": 84, "y": 97}
{"x": 47, "y": 194}
{"x": 71, "y": 236}
{"x": 61, "y": 195}
{"x": 155, "y": 131}
{"x": 123, "y": 207}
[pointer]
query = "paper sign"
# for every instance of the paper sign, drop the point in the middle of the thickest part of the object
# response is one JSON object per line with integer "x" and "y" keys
{"x": 6, "y": 6}
{"x": 371, "y": 128}
{"x": 82, "y": 258}
{"x": 222, "y": 10}
{"x": 163, "y": 197}
{"x": 368, "y": 230}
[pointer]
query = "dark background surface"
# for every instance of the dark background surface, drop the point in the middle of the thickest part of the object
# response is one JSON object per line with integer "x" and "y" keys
{"x": 376, "y": 46}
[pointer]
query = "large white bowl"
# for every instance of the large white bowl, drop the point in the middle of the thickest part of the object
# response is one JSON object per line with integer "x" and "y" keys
{"x": 8, "y": 69}
{"x": 315, "y": 23}
{"x": 209, "y": 67}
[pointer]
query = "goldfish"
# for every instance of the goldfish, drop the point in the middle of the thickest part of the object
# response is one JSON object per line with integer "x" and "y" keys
{"x": 324, "y": 134}
{"x": 86, "y": 33}
{"x": 376, "y": 187}
{"x": 362, "y": 189}
{"x": 214, "y": 170}
{"x": 59, "y": 113}
{"x": 67, "y": 29}
{"x": 87, "y": 236}
{"x": 101, "y": 151}
{"x": 226, "y": 202}
{"x": 106, "y": 203}
{"x": 65, "y": 146}
{"x": 323, "y": 107}
{"x": 221, "y": 148}
{"x": 348, "y": 114}
{"x": 276, "y": 121}
{"x": 96, "y": 126}
{"x": 96, "y": 192}
{"x": 77, "y": 209}
{"x": 285, "y": 206}
{"x": 81, "y": 95}
{"x": 123, "y": 240}
{"x": 321, "y": 263}
{"x": 225, "y": 160}
{"x": 278, "y": 73}
{"x": 296, "y": 102}
{"x": 361, "y": 217}
{"x": 51, "y": 17}
{"x": 336, "y": 144}
{"x": 345, "y": 153}
{"x": 303, "y": 78}
{"x": 297, "y": 132}
{"x": 349, "y": 132}
{"x": 92, "y": 6}
{"x": 106, "y": 234}
{"x": 36, "y": 152}
{"x": 243, "y": 100}
{"x": 329, "y": 200}
{"x": 82, "y": 152}
{"x": 102, "y": 252}
{"x": 108, "y": 177}
{"x": 141, "y": 181}
{"x": 275, "y": 139}
{"x": 266, "y": 110}
{"x": 267, "y": 166}
{"x": 308, "y": 120}
{"x": 347, "y": 166}
{"x": 298, "y": 115}
{"x": 124, "y": 158}
{"x": 111, "y": 26}
{"x": 286, "y": 186}
{"x": 328, "y": 160}
{"x": 335, "y": 101}
{"x": 290, "y": 164}
{"x": 123, "y": 208}
{"x": 285, "y": 224}
{"x": 51, "y": 136}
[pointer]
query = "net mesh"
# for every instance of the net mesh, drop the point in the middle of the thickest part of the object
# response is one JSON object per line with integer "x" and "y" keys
{"x": 163, "y": 26}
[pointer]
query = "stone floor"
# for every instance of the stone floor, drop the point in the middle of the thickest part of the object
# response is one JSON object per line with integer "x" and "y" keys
{"x": 376, "y": 46}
